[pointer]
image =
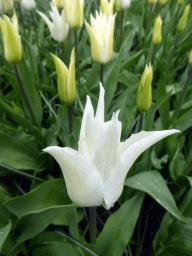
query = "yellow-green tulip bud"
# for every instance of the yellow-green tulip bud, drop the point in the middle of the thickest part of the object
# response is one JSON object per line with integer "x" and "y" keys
{"x": 183, "y": 20}
{"x": 11, "y": 39}
{"x": 157, "y": 31}
{"x": 74, "y": 11}
{"x": 180, "y": 2}
{"x": 107, "y": 7}
{"x": 144, "y": 94}
{"x": 117, "y": 8}
{"x": 66, "y": 83}
{"x": 6, "y": 6}
{"x": 101, "y": 33}
{"x": 190, "y": 58}
{"x": 162, "y": 2}
{"x": 152, "y": 2}
{"x": 58, "y": 3}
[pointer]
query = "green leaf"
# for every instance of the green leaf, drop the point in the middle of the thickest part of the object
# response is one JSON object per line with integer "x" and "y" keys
{"x": 29, "y": 85}
{"x": 23, "y": 155}
{"x": 111, "y": 79}
{"x": 183, "y": 122}
{"x": 185, "y": 231}
{"x": 153, "y": 184}
{"x": 119, "y": 228}
{"x": 4, "y": 232}
{"x": 49, "y": 194}
{"x": 52, "y": 244}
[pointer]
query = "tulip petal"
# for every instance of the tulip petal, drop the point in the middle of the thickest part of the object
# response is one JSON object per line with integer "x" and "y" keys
{"x": 106, "y": 149}
{"x": 129, "y": 152}
{"x": 83, "y": 181}
{"x": 99, "y": 116}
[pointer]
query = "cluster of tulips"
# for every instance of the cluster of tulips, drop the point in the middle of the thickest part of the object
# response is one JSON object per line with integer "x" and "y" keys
{"x": 95, "y": 173}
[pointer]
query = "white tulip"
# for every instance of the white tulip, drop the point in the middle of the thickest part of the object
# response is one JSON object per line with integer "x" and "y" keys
{"x": 95, "y": 174}
{"x": 58, "y": 26}
{"x": 123, "y": 4}
{"x": 28, "y": 4}
{"x": 6, "y": 6}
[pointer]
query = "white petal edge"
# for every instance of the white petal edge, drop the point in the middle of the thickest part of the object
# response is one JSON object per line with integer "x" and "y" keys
{"x": 83, "y": 181}
{"x": 136, "y": 145}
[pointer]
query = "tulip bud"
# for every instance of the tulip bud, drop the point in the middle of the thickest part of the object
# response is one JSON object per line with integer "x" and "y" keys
{"x": 107, "y": 7}
{"x": 66, "y": 79}
{"x": 152, "y": 2}
{"x": 28, "y": 4}
{"x": 180, "y": 2}
{"x": 190, "y": 58}
{"x": 183, "y": 20}
{"x": 74, "y": 11}
{"x": 144, "y": 94}
{"x": 11, "y": 39}
{"x": 117, "y": 8}
{"x": 6, "y": 6}
{"x": 101, "y": 35}
{"x": 123, "y": 4}
{"x": 58, "y": 3}
{"x": 58, "y": 27}
{"x": 157, "y": 33}
{"x": 162, "y": 2}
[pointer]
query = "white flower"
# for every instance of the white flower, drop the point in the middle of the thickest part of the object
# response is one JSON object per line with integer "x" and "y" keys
{"x": 101, "y": 33}
{"x": 123, "y": 4}
{"x": 58, "y": 26}
{"x": 95, "y": 174}
{"x": 28, "y": 4}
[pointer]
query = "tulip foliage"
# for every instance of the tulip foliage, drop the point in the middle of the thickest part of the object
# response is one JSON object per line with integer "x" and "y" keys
{"x": 91, "y": 168}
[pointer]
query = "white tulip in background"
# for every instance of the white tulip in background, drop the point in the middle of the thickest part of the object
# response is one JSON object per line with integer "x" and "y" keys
{"x": 101, "y": 33}
{"x": 28, "y": 4}
{"x": 58, "y": 26}
{"x": 123, "y": 4}
{"x": 95, "y": 174}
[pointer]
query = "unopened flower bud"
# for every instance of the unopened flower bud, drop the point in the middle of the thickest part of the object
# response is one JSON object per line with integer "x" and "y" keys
{"x": 66, "y": 79}
{"x": 183, "y": 20}
{"x": 101, "y": 33}
{"x": 151, "y": 2}
{"x": 107, "y": 7}
{"x": 28, "y": 4}
{"x": 6, "y": 6}
{"x": 162, "y": 2}
{"x": 157, "y": 33}
{"x": 11, "y": 39}
{"x": 144, "y": 94}
{"x": 180, "y": 2}
{"x": 74, "y": 11}
{"x": 123, "y": 4}
{"x": 58, "y": 3}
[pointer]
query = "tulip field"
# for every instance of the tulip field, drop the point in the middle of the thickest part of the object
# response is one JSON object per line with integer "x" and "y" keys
{"x": 95, "y": 128}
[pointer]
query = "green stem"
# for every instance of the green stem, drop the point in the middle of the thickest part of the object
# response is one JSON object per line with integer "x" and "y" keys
{"x": 101, "y": 72}
{"x": 174, "y": 47}
{"x": 175, "y": 21}
{"x": 62, "y": 50}
{"x": 141, "y": 118}
{"x": 153, "y": 56}
{"x": 21, "y": 87}
{"x": 73, "y": 224}
{"x": 35, "y": 28}
{"x": 121, "y": 28}
{"x": 77, "y": 57}
{"x": 93, "y": 224}
{"x": 176, "y": 113}
{"x": 22, "y": 21}
{"x": 70, "y": 119}
{"x": 148, "y": 19}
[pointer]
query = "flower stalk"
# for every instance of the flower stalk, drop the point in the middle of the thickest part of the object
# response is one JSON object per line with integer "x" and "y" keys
{"x": 93, "y": 224}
